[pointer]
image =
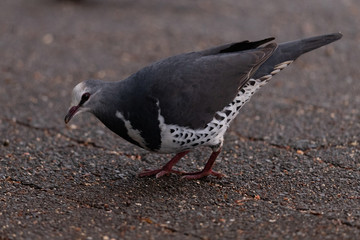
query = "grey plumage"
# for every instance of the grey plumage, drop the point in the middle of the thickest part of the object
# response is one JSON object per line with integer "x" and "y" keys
{"x": 292, "y": 50}
{"x": 189, "y": 99}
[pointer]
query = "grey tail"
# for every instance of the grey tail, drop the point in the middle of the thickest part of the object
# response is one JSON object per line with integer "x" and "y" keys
{"x": 289, "y": 51}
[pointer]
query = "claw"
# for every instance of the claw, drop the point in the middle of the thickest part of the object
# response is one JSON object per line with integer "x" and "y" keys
{"x": 201, "y": 174}
{"x": 158, "y": 172}
{"x": 166, "y": 169}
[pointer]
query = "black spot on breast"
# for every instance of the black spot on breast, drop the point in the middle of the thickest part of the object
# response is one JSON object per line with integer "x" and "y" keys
{"x": 211, "y": 128}
{"x": 186, "y": 135}
{"x": 242, "y": 90}
{"x": 174, "y": 141}
{"x": 227, "y": 112}
{"x": 176, "y": 135}
{"x": 172, "y": 130}
{"x": 195, "y": 144}
{"x": 197, "y": 137}
{"x": 218, "y": 117}
{"x": 188, "y": 141}
{"x": 182, "y": 143}
{"x": 202, "y": 142}
{"x": 207, "y": 139}
{"x": 205, "y": 135}
{"x": 237, "y": 108}
{"x": 252, "y": 82}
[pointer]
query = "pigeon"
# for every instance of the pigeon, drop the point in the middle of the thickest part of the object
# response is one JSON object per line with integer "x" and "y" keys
{"x": 188, "y": 100}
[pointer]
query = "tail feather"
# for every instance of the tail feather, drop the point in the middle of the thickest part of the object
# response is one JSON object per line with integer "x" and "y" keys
{"x": 289, "y": 51}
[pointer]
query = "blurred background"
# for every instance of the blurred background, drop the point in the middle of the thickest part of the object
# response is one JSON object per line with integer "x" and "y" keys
{"x": 50, "y": 45}
{"x": 301, "y": 130}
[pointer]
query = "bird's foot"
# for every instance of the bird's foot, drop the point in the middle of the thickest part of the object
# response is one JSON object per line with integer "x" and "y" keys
{"x": 166, "y": 169}
{"x": 201, "y": 174}
{"x": 158, "y": 172}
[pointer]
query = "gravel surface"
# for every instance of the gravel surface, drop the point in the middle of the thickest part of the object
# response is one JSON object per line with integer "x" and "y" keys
{"x": 292, "y": 157}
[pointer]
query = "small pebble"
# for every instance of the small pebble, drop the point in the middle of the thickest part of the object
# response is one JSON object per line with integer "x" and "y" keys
{"x": 6, "y": 143}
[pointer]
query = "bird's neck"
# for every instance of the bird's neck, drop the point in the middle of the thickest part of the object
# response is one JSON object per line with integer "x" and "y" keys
{"x": 112, "y": 101}
{"x": 112, "y": 98}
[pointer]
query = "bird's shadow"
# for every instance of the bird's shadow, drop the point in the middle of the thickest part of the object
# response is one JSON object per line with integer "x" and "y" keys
{"x": 134, "y": 191}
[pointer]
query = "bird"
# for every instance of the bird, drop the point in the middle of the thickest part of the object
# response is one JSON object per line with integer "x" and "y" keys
{"x": 188, "y": 100}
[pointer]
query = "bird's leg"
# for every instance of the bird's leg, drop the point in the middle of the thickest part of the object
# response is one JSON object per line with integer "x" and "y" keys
{"x": 207, "y": 169}
{"x": 166, "y": 169}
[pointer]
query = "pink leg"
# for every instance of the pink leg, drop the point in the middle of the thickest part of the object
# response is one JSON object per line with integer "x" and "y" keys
{"x": 166, "y": 169}
{"x": 207, "y": 169}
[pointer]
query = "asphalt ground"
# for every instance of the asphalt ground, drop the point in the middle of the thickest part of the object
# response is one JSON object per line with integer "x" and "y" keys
{"x": 291, "y": 158}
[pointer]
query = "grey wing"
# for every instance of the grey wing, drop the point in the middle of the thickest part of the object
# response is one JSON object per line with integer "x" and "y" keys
{"x": 193, "y": 87}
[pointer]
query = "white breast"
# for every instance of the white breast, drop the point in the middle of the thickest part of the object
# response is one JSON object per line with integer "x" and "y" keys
{"x": 177, "y": 138}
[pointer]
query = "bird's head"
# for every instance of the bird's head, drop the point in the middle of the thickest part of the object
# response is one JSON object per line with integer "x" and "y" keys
{"x": 83, "y": 98}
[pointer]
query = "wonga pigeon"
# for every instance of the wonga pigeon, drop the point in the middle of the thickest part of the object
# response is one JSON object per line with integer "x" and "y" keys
{"x": 188, "y": 100}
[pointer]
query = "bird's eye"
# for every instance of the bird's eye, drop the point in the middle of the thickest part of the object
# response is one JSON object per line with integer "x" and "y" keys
{"x": 84, "y": 98}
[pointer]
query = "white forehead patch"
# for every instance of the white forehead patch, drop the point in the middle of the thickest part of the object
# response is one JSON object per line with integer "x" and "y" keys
{"x": 79, "y": 87}
{"x": 77, "y": 93}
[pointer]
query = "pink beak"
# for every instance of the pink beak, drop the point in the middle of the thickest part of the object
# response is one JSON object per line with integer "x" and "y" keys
{"x": 71, "y": 113}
